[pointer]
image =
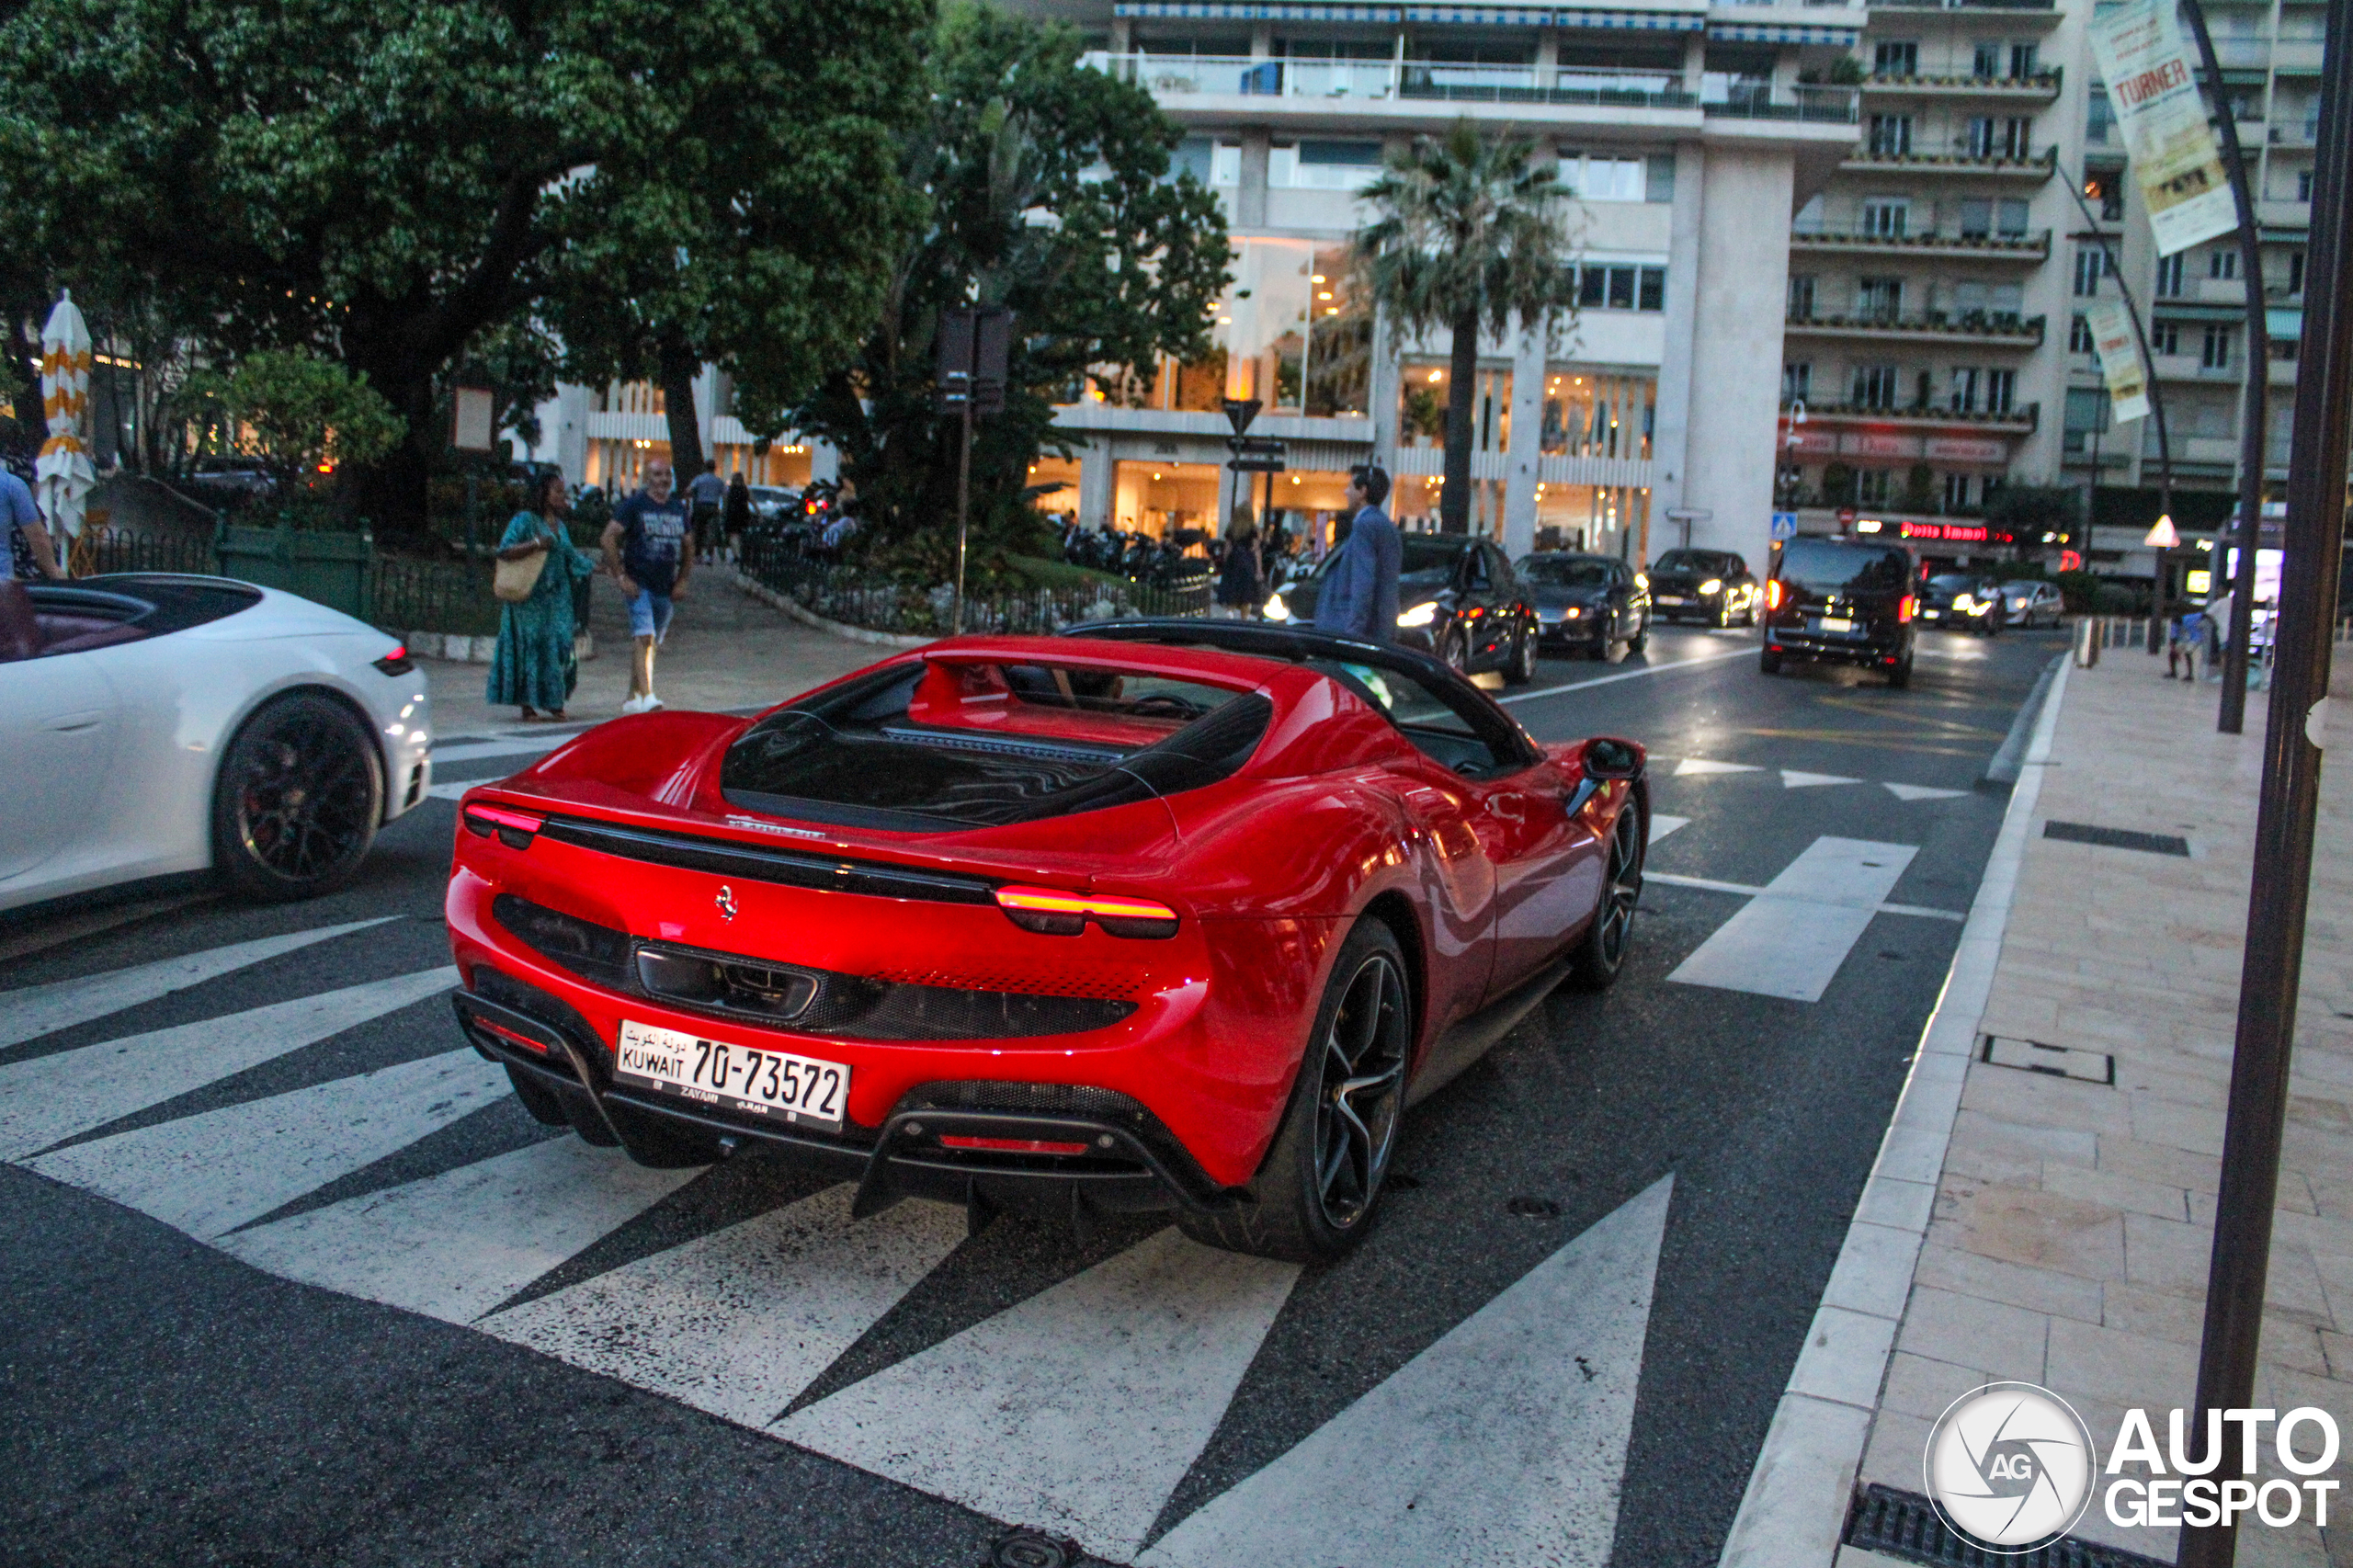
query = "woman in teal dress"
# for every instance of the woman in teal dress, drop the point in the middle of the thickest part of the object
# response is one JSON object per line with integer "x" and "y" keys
{"x": 534, "y": 667}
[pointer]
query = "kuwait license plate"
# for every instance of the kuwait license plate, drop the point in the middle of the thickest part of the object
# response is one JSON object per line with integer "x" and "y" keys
{"x": 1833, "y": 623}
{"x": 732, "y": 1077}
{"x": 1670, "y": 598}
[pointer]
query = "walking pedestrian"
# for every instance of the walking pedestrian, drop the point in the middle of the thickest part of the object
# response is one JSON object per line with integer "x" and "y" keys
{"x": 1360, "y": 594}
{"x": 646, "y": 551}
{"x": 535, "y": 667}
{"x": 735, "y": 516}
{"x": 29, "y": 552}
{"x": 706, "y": 496}
{"x": 1241, "y": 582}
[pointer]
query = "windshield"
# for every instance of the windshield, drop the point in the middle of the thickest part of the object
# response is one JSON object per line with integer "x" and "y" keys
{"x": 1685, "y": 560}
{"x": 1429, "y": 563}
{"x": 1822, "y": 565}
{"x": 1565, "y": 572}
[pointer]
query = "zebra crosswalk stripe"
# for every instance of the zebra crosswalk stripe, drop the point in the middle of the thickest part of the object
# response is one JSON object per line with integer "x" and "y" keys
{"x": 739, "y": 1321}
{"x": 1077, "y": 1411}
{"x": 32, "y": 1011}
{"x": 47, "y": 1099}
{"x": 284, "y": 1146}
{"x": 455, "y": 1245}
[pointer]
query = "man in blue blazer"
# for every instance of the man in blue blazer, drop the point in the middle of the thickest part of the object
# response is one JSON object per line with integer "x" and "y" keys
{"x": 1359, "y": 593}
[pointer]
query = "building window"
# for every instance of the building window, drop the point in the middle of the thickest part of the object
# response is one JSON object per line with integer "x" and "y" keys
{"x": 2091, "y": 265}
{"x": 2013, "y": 224}
{"x": 1324, "y": 166}
{"x": 1651, "y": 291}
{"x": 2008, "y": 138}
{"x": 1896, "y": 59}
{"x": 1621, "y": 288}
{"x": 1593, "y": 414}
{"x": 1873, "y": 486}
{"x": 1987, "y": 61}
{"x": 1957, "y": 493}
{"x": 2099, "y": 118}
{"x": 1887, "y": 217}
{"x": 1980, "y": 136}
{"x": 2079, "y": 336}
{"x": 2214, "y": 354}
{"x": 1976, "y": 219}
{"x": 2001, "y": 391}
{"x": 1892, "y": 136}
{"x": 2221, "y": 263}
{"x": 1874, "y": 386}
{"x": 2303, "y": 185}
{"x": 1800, "y": 296}
{"x": 2164, "y": 337}
{"x": 1595, "y": 177}
{"x": 2023, "y": 64}
{"x": 1796, "y": 381}
{"x": 1878, "y": 299}
{"x": 2295, "y": 272}
{"x": 2169, "y": 277}
{"x": 1962, "y": 398}
{"x": 1225, "y": 164}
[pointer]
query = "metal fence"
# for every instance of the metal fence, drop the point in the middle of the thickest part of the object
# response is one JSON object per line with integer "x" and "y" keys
{"x": 115, "y": 551}
{"x": 404, "y": 595}
{"x": 842, "y": 594}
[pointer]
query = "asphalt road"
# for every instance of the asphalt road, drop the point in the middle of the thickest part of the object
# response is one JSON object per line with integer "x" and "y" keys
{"x": 1662, "y": 1173}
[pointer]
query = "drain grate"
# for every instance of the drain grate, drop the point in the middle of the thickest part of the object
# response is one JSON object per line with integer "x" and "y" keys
{"x": 2117, "y": 838}
{"x": 1903, "y": 1525}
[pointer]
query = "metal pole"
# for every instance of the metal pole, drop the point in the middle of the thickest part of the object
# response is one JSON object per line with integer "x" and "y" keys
{"x": 2290, "y": 796}
{"x": 964, "y": 509}
{"x": 2254, "y": 416}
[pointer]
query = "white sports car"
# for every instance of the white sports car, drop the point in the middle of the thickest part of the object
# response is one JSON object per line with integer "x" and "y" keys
{"x": 152, "y": 724}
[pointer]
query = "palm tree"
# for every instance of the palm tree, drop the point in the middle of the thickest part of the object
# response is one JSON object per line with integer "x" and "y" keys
{"x": 1467, "y": 233}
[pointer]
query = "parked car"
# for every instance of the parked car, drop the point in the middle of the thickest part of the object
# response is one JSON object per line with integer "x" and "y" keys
{"x": 1835, "y": 601}
{"x": 152, "y": 724}
{"x": 1712, "y": 586}
{"x": 1961, "y": 601}
{"x": 1587, "y": 602}
{"x": 1156, "y": 915}
{"x": 775, "y": 502}
{"x": 1457, "y": 597}
{"x": 2030, "y": 602}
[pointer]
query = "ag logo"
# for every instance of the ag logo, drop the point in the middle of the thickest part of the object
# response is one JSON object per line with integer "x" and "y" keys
{"x": 2010, "y": 1467}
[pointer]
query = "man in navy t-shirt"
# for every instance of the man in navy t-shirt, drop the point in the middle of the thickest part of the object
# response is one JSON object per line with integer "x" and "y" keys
{"x": 646, "y": 550}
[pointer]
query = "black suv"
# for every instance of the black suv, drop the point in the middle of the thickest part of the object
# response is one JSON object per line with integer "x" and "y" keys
{"x": 1457, "y": 597}
{"x": 1714, "y": 586}
{"x": 1839, "y": 602}
{"x": 1960, "y": 601}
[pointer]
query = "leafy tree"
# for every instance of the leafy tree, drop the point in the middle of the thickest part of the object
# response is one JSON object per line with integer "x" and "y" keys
{"x": 302, "y": 410}
{"x": 1467, "y": 232}
{"x": 1046, "y": 188}
{"x": 387, "y": 181}
{"x": 2030, "y": 511}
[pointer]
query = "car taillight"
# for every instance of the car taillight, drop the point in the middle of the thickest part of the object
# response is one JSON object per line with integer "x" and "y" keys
{"x": 1012, "y": 1145}
{"x": 1774, "y": 593}
{"x": 396, "y": 662}
{"x": 1053, "y": 913}
{"x": 1904, "y": 607}
{"x": 514, "y": 829}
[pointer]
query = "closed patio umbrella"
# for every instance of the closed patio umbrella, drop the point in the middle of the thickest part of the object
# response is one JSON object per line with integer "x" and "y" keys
{"x": 64, "y": 475}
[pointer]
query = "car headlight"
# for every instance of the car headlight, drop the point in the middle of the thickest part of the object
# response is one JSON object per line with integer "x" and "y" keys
{"x": 1571, "y": 613}
{"x": 1964, "y": 604}
{"x": 1642, "y": 579}
{"x": 1275, "y": 610}
{"x": 1420, "y": 615}
{"x": 1711, "y": 587}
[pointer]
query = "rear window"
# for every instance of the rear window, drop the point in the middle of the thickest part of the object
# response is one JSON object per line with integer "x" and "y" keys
{"x": 940, "y": 745}
{"x": 1565, "y": 572}
{"x": 1686, "y": 560}
{"x": 1821, "y": 566}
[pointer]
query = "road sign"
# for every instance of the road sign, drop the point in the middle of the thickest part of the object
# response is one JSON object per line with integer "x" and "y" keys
{"x": 1785, "y": 524}
{"x": 974, "y": 343}
{"x": 1239, "y": 412}
{"x": 1256, "y": 454}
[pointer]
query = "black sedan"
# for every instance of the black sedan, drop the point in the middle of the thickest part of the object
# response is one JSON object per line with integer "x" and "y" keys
{"x": 1713, "y": 585}
{"x": 1457, "y": 597}
{"x": 1588, "y": 602}
{"x": 1961, "y": 601}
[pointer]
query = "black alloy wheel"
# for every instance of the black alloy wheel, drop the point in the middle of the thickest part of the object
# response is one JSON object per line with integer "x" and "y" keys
{"x": 1522, "y": 668}
{"x": 298, "y": 797}
{"x": 1598, "y": 960}
{"x": 1454, "y": 648}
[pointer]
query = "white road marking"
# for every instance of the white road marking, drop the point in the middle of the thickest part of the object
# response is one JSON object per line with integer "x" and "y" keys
{"x": 1502, "y": 1445}
{"x": 36, "y": 1010}
{"x": 1662, "y": 824}
{"x": 1790, "y": 941}
{"x": 51, "y": 1098}
{"x": 1793, "y": 780}
{"x": 1078, "y": 1411}
{"x": 739, "y": 1321}
{"x": 1691, "y": 765}
{"x": 1628, "y": 675}
{"x": 455, "y": 1245}
{"x": 1922, "y": 792}
{"x": 522, "y": 745}
{"x": 211, "y": 1173}
{"x": 1708, "y": 885}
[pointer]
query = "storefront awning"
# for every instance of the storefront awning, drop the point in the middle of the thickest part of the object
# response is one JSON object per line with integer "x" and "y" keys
{"x": 1755, "y": 32}
{"x": 1640, "y": 21}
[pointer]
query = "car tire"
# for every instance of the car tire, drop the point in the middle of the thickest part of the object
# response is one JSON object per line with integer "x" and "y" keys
{"x": 1600, "y": 954}
{"x": 544, "y": 1104}
{"x": 1315, "y": 1193}
{"x": 1521, "y": 671}
{"x": 1612, "y": 651}
{"x": 1641, "y": 640}
{"x": 298, "y": 798}
{"x": 1454, "y": 651}
{"x": 1899, "y": 677}
{"x": 1770, "y": 663}
{"x": 1723, "y": 616}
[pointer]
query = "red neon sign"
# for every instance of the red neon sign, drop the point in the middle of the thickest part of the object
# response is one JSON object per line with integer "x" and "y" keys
{"x": 1960, "y": 533}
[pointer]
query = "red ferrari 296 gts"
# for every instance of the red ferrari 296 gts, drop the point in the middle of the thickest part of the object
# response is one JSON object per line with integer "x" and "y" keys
{"x": 1154, "y": 914}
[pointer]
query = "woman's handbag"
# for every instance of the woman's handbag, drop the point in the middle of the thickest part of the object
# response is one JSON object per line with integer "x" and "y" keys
{"x": 515, "y": 580}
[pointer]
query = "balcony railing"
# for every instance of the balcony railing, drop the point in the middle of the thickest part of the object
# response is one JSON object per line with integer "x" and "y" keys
{"x": 1831, "y": 106}
{"x": 1191, "y": 75}
{"x": 1998, "y": 324}
{"x": 2022, "y": 418}
{"x": 2039, "y": 165}
{"x": 2026, "y": 247}
{"x": 1963, "y": 5}
{"x": 2304, "y": 135}
{"x": 2041, "y": 82}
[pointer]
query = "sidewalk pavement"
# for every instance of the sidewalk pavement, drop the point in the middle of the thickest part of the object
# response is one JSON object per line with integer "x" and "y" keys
{"x": 725, "y": 650}
{"x": 2056, "y": 1230}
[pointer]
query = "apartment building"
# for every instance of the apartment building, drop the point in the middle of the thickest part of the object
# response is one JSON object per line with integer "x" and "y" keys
{"x": 1935, "y": 345}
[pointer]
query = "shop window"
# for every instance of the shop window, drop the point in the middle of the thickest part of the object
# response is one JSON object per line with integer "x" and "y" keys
{"x": 1590, "y": 413}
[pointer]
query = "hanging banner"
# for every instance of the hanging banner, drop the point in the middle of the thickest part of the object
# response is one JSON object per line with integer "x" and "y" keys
{"x": 2138, "y": 47}
{"x": 2119, "y": 360}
